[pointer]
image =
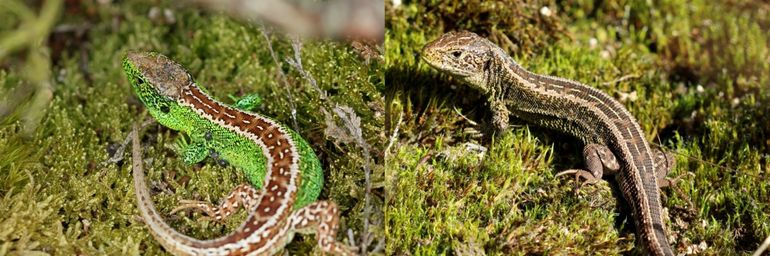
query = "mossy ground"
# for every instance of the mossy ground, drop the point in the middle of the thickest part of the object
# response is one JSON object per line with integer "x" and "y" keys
{"x": 695, "y": 74}
{"x": 58, "y": 196}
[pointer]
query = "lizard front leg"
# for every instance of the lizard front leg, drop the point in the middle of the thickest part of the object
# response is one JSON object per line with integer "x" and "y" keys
{"x": 192, "y": 152}
{"x": 599, "y": 161}
{"x": 500, "y": 113}
{"x": 248, "y": 102}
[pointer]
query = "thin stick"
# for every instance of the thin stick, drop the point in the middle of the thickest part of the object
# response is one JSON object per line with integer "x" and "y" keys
{"x": 762, "y": 247}
{"x": 394, "y": 135}
{"x": 282, "y": 77}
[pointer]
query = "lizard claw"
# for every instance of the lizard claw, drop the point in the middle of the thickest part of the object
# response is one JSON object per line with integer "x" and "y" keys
{"x": 670, "y": 182}
{"x": 195, "y": 205}
{"x": 588, "y": 176}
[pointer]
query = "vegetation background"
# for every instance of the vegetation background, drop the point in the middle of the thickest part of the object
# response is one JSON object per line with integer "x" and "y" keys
{"x": 67, "y": 108}
{"x": 695, "y": 74}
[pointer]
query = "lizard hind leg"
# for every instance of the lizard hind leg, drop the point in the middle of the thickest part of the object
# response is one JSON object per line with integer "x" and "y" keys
{"x": 321, "y": 218}
{"x": 599, "y": 161}
{"x": 664, "y": 163}
{"x": 243, "y": 195}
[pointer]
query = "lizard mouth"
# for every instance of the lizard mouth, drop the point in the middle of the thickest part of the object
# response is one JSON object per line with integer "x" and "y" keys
{"x": 424, "y": 56}
{"x": 430, "y": 62}
{"x": 441, "y": 65}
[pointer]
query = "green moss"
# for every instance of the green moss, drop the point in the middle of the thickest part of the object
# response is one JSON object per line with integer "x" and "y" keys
{"x": 505, "y": 200}
{"x": 57, "y": 194}
{"x": 696, "y": 70}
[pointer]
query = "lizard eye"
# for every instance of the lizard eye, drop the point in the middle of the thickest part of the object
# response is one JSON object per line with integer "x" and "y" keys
{"x": 456, "y": 54}
{"x": 164, "y": 109}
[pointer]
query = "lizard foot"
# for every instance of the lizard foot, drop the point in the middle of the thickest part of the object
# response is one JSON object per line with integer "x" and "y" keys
{"x": 195, "y": 205}
{"x": 671, "y": 182}
{"x": 588, "y": 176}
{"x": 248, "y": 102}
{"x": 321, "y": 218}
{"x": 599, "y": 161}
{"x": 192, "y": 152}
{"x": 244, "y": 195}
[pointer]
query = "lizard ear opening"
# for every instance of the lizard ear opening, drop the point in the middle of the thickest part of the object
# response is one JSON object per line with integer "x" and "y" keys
{"x": 164, "y": 108}
{"x": 139, "y": 80}
{"x": 456, "y": 54}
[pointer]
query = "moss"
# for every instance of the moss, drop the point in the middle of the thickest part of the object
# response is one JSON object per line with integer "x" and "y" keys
{"x": 59, "y": 196}
{"x": 696, "y": 70}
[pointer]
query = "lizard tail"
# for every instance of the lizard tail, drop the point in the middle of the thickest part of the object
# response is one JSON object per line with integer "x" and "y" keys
{"x": 172, "y": 240}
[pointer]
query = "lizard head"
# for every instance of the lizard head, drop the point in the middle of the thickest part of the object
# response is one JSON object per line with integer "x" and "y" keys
{"x": 461, "y": 54}
{"x": 158, "y": 82}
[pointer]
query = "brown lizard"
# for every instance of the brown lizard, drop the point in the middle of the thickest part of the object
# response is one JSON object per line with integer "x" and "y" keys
{"x": 615, "y": 143}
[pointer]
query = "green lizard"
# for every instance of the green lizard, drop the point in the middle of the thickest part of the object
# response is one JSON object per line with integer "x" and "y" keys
{"x": 284, "y": 172}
